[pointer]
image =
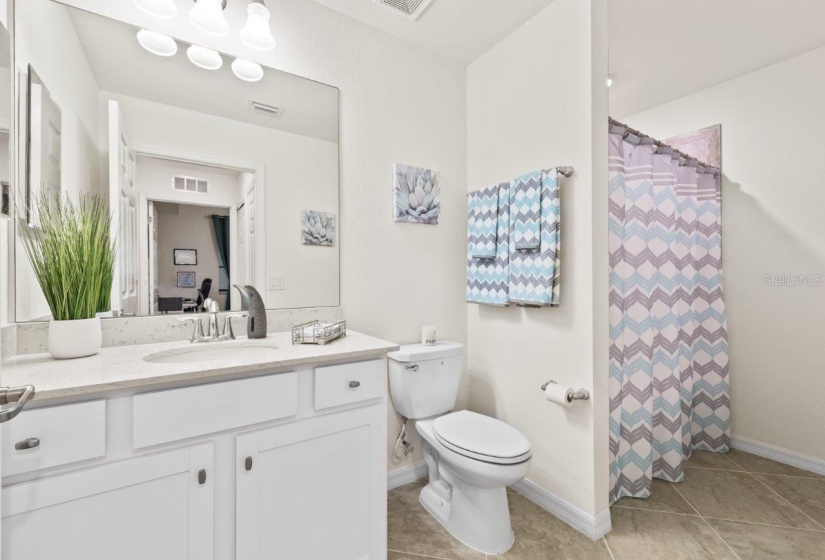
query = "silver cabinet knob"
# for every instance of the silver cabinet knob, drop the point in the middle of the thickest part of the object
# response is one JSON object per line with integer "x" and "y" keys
{"x": 202, "y": 476}
{"x": 248, "y": 463}
{"x": 28, "y": 443}
{"x": 354, "y": 384}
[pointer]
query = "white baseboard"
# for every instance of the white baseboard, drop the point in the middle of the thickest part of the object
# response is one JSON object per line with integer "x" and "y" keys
{"x": 778, "y": 454}
{"x": 594, "y": 526}
{"x": 406, "y": 475}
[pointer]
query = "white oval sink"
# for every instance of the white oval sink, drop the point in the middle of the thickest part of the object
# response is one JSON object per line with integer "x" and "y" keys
{"x": 208, "y": 353}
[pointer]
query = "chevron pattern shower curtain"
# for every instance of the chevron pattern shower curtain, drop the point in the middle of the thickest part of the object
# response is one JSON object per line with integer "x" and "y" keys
{"x": 668, "y": 354}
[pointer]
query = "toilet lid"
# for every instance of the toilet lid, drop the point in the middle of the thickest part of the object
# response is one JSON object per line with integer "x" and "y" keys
{"x": 481, "y": 437}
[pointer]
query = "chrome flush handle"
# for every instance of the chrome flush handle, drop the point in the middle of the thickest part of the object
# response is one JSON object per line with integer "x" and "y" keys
{"x": 412, "y": 367}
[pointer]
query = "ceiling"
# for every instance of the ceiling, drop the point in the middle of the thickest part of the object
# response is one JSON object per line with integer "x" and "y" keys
{"x": 121, "y": 65}
{"x": 458, "y": 30}
{"x": 661, "y": 50}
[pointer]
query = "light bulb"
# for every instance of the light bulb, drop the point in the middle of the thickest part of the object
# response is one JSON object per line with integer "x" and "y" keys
{"x": 157, "y": 43}
{"x": 247, "y": 71}
{"x": 204, "y": 58}
{"x": 164, "y": 9}
{"x": 207, "y": 16}
{"x": 256, "y": 33}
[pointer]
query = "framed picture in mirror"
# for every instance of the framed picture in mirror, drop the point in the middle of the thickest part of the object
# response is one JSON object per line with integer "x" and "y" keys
{"x": 186, "y": 257}
{"x": 186, "y": 279}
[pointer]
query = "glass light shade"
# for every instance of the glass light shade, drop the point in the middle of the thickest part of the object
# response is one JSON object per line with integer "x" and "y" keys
{"x": 164, "y": 9}
{"x": 204, "y": 58}
{"x": 247, "y": 71}
{"x": 256, "y": 33}
{"x": 157, "y": 43}
{"x": 207, "y": 16}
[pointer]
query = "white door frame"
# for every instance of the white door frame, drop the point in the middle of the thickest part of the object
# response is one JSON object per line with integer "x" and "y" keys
{"x": 209, "y": 160}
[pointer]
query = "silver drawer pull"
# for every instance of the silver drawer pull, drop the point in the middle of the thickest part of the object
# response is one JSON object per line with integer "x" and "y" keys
{"x": 28, "y": 443}
{"x": 412, "y": 368}
{"x": 354, "y": 384}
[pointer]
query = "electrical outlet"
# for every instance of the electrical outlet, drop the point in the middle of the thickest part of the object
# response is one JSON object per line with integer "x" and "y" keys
{"x": 276, "y": 282}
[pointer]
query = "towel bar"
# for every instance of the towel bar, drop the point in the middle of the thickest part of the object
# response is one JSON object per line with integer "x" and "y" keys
{"x": 565, "y": 170}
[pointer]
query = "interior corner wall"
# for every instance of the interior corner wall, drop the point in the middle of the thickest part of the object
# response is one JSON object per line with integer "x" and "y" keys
{"x": 531, "y": 103}
{"x": 772, "y": 231}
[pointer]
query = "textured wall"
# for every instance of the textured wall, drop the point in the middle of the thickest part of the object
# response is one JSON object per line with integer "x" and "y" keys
{"x": 398, "y": 104}
{"x": 772, "y": 199}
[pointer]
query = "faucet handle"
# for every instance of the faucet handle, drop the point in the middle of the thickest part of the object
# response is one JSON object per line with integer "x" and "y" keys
{"x": 197, "y": 331}
{"x": 227, "y": 324}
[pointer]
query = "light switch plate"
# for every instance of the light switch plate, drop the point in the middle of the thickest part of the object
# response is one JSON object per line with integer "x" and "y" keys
{"x": 276, "y": 282}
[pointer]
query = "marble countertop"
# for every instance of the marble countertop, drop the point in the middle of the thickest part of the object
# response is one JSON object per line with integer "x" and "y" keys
{"x": 123, "y": 367}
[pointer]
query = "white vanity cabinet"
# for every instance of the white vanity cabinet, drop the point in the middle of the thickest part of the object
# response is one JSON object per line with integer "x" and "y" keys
{"x": 299, "y": 456}
{"x": 158, "y": 506}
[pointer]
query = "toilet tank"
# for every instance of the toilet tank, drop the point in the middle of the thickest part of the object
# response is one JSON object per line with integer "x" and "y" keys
{"x": 424, "y": 379}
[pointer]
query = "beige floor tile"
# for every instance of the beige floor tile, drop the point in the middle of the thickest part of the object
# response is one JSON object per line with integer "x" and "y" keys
{"x": 708, "y": 460}
{"x": 540, "y": 535}
{"x": 738, "y": 496}
{"x": 756, "y": 464}
{"x": 808, "y": 494}
{"x": 411, "y": 528}
{"x": 663, "y": 497}
{"x": 651, "y": 535}
{"x": 760, "y": 542}
{"x": 393, "y": 555}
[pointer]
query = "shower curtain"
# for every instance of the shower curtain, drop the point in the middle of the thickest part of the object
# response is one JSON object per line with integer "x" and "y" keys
{"x": 668, "y": 354}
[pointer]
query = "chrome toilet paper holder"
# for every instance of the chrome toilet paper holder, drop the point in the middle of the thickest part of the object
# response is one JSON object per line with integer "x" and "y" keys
{"x": 579, "y": 395}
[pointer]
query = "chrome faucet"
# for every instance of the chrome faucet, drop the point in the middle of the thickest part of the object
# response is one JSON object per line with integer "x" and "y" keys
{"x": 212, "y": 332}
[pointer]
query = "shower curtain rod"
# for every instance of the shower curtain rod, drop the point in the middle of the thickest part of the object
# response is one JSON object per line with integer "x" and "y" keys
{"x": 660, "y": 144}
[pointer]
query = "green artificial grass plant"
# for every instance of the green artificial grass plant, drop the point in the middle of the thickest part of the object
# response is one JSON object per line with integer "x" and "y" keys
{"x": 72, "y": 253}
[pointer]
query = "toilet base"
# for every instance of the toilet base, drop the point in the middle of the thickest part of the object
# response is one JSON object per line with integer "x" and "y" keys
{"x": 480, "y": 519}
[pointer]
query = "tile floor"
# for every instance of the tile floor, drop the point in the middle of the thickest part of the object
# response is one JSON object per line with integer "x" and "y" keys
{"x": 729, "y": 506}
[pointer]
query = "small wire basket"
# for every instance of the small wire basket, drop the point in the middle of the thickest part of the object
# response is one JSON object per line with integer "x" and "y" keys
{"x": 316, "y": 332}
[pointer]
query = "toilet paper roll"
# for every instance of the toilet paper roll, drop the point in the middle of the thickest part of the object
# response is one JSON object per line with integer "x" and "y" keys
{"x": 559, "y": 394}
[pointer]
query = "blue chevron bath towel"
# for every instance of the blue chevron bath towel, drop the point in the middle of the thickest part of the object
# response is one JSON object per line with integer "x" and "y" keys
{"x": 488, "y": 279}
{"x": 525, "y": 211}
{"x": 534, "y": 273}
{"x": 483, "y": 219}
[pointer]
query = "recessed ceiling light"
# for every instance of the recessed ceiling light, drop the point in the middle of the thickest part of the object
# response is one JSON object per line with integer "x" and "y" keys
{"x": 256, "y": 33}
{"x": 157, "y": 43}
{"x": 247, "y": 71}
{"x": 204, "y": 58}
{"x": 164, "y": 9}
{"x": 207, "y": 16}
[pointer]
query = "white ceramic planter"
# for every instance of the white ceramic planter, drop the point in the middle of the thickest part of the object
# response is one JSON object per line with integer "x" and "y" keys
{"x": 74, "y": 339}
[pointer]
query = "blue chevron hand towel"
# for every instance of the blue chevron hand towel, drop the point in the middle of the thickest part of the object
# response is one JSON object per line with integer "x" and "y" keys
{"x": 534, "y": 273}
{"x": 483, "y": 218}
{"x": 525, "y": 210}
{"x": 488, "y": 279}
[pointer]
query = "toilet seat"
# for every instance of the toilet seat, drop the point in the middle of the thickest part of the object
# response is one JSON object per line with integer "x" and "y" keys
{"x": 482, "y": 438}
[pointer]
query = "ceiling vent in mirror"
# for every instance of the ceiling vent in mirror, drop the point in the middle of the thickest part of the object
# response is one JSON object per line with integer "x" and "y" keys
{"x": 266, "y": 109}
{"x": 190, "y": 184}
{"x": 409, "y": 9}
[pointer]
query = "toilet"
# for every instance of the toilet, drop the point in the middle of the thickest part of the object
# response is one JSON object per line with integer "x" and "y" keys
{"x": 471, "y": 458}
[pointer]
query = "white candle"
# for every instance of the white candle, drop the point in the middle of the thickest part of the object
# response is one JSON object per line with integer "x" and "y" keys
{"x": 428, "y": 335}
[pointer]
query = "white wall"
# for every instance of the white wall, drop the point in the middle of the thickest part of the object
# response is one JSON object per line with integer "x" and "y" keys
{"x": 398, "y": 104}
{"x": 46, "y": 39}
{"x": 772, "y": 199}
{"x": 530, "y": 102}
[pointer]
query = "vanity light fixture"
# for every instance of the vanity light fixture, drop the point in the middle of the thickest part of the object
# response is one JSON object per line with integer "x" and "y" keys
{"x": 164, "y": 9}
{"x": 204, "y": 58}
{"x": 207, "y": 16}
{"x": 157, "y": 43}
{"x": 247, "y": 71}
{"x": 256, "y": 33}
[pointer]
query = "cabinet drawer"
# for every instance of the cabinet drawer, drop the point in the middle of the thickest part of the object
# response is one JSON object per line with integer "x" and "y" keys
{"x": 177, "y": 414}
{"x": 64, "y": 434}
{"x": 349, "y": 383}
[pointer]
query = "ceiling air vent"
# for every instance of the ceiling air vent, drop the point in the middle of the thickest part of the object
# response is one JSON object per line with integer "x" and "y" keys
{"x": 190, "y": 184}
{"x": 266, "y": 109}
{"x": 409, "y": 9}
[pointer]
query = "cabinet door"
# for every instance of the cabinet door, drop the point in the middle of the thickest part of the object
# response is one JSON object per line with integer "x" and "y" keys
{"x": 315, "y": 489}
{"x": 158, "y": 507}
